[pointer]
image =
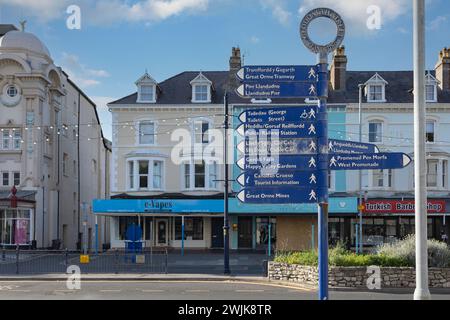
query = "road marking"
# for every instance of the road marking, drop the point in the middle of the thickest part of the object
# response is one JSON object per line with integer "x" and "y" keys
{"x": 151, "y": 291}
{"x": 199, "y": 290}
{"x": 250, "y": 290}
{"x": 18, "y": 290}
{"x": 110, "y": 290}
{"x": 64, "y": 291}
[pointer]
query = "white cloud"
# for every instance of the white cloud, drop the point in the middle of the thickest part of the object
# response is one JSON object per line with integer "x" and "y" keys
{"x": 355, "y": 13}
{"x": 80, "y": 73}
{"x": 437, "y": 23}
{"x": 109, "y": 11}
{"x": 255, "y": 40}
{"x": 279, "y": 10}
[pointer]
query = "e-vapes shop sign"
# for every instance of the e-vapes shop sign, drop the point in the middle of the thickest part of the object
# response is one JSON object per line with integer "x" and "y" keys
{"x": 401, "y": 206}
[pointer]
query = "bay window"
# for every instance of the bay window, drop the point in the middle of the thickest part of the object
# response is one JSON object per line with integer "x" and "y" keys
{"x": 432, "y": 173}
{"x": 145, "y": 174}
{"x": 430, "y": 135}
{"x": 200, "y": 174}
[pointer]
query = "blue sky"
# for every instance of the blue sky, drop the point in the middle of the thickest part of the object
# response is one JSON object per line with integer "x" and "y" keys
{"x": 120, "y": 39}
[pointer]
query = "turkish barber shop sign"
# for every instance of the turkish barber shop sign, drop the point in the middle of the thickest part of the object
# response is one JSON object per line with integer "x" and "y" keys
{"x": 401, "y": 206}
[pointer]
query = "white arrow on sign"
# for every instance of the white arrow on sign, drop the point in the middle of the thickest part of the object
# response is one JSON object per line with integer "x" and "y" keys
{"x": 241, "y": 196}
{"x": 241, "y": 91}
{"x": 241, "y": 146}
{"x": 241, "y": 179}
{"x": 241, "y": 130}
{"x": 241, "y": 163}
{"x": 240, "y": 74}
{"x": 406, "y": 160}
{"x": 243, "y": 117}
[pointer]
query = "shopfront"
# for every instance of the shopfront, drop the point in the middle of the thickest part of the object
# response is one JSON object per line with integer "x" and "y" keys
{"x": 289, "y": 227}
{"x": 16, "y": 222}
{"x": 161, "y": 221}
{"x": 387, "y": 220}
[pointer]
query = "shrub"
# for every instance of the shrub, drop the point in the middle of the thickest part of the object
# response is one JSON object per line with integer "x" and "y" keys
{"x": 405, "y": 250}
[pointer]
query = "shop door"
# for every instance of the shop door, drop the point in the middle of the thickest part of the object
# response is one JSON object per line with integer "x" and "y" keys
{"x": 245, "y": 226}
{"x": 217, "y": 233}
{"x": 161, "y": 236}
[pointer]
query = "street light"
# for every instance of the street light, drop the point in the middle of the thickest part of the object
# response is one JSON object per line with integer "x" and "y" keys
{"x": 360, "y": 87}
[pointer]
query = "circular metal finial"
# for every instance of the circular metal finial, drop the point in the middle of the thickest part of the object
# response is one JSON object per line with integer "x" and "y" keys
{"x": 322, "y": 13}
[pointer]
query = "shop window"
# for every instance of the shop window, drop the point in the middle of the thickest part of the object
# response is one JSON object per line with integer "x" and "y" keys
{"x": 14, "y": 227}
{"x": 262, "y": 232}
{"x": 193, "y": 228}
{"x": 124, "y": 223}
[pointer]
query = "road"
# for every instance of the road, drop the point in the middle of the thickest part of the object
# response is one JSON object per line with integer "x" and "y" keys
{"x": 187, "y": 290}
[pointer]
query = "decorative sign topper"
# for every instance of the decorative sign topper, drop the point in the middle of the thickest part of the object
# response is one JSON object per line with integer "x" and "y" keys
{"x": 322, "y": 13}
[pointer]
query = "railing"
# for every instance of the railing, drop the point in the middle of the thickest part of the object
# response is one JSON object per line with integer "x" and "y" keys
{"x": 57, "y": 261}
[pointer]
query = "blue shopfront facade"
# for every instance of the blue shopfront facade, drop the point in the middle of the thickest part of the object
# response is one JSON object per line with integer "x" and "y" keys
{"x": 161, "y": 220}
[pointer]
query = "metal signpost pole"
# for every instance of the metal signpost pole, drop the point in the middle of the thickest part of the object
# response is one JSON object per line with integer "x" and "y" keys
{"x": 360, "y": 86}
{"x": 322, "y": 144}
{"x": 226, "y": 224}
{"x": 182, "y": 235}
{"x": 422, "y": 292}
{"x": 84, "y": 228}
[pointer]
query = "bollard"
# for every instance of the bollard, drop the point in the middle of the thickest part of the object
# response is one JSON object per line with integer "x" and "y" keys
{"x": 116, "y": 261}
{"x": 66, "y": 257}
{"x": 167, "y": 261}
{"x": 17, "y": 259}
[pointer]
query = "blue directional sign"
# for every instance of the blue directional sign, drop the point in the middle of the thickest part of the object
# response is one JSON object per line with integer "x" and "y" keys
{"x": 279, "y": 115}
{"x": 279, "y": 90}
{"x": 277, "y": 178}
{"x": 278, "y": 73}
{"x": 257, "y": 147}
{"x": 278, "y": 195}
{"x": 282, "y": 162}
{"x": 307, "y": 129}
{"x": 350, "y": 147}
{"x": 369, "y": 161}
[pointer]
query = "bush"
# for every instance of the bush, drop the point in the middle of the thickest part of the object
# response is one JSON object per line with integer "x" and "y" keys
{"x": 308, "y": 258}
{"x": 405, "y": 250}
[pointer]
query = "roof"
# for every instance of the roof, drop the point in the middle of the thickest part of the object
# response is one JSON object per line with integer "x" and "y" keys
{"x": 178, "y": 89}
{"x": 23, "y": 40}
{"x": 4, "y": 28}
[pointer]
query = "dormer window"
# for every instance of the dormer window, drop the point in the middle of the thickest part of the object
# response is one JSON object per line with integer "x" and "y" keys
{"x": 146, "y": 86}
{"x": 201, "y": 89}
{"x": 376, "y": 89}
{"x": 431, "y": 84}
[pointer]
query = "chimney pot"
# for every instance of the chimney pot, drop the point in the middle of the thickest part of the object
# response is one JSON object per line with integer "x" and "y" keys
{"x": 338, "y": 71}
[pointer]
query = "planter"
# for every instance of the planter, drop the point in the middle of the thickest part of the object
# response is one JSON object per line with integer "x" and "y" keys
{"x": 357, "y": 277}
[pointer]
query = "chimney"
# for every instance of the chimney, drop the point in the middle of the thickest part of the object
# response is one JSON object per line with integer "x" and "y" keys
{"x": 235, "y": 66}
{"x": 443, "y": 69}
{"x": 338, "y": 70}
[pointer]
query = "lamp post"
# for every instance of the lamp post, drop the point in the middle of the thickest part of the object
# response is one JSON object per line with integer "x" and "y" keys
{"x": 422, "y": 292}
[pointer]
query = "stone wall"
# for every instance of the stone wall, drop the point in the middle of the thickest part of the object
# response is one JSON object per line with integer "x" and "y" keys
{"x": 353, "y": 277}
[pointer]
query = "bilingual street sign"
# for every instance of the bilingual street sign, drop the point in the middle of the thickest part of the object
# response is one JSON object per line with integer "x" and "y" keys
{"x": 276, "y": 179}
{"x": 308, "y": 129}
{"x": 279, "y": 89}
{"x": 278, "y": 195}
{"x": 295, "y": 146}
{"x": 278, "y": 73}
{"x": 282, "y": 162}
{"x": 278, "y": 114}
{"x": 350, "y": 147}
{"x": 366, "y": 161}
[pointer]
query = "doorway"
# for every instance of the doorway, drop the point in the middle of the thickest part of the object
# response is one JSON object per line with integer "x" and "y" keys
{"x": 245, "y": 234}
{"x": 217, "y": 233}
{"x": 161, "y": 232}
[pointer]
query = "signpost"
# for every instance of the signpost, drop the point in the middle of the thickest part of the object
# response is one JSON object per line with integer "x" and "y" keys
{"x": 369, "y": 161}
{"x": 286, "y": 151}
{"x": 350, "y": 147}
